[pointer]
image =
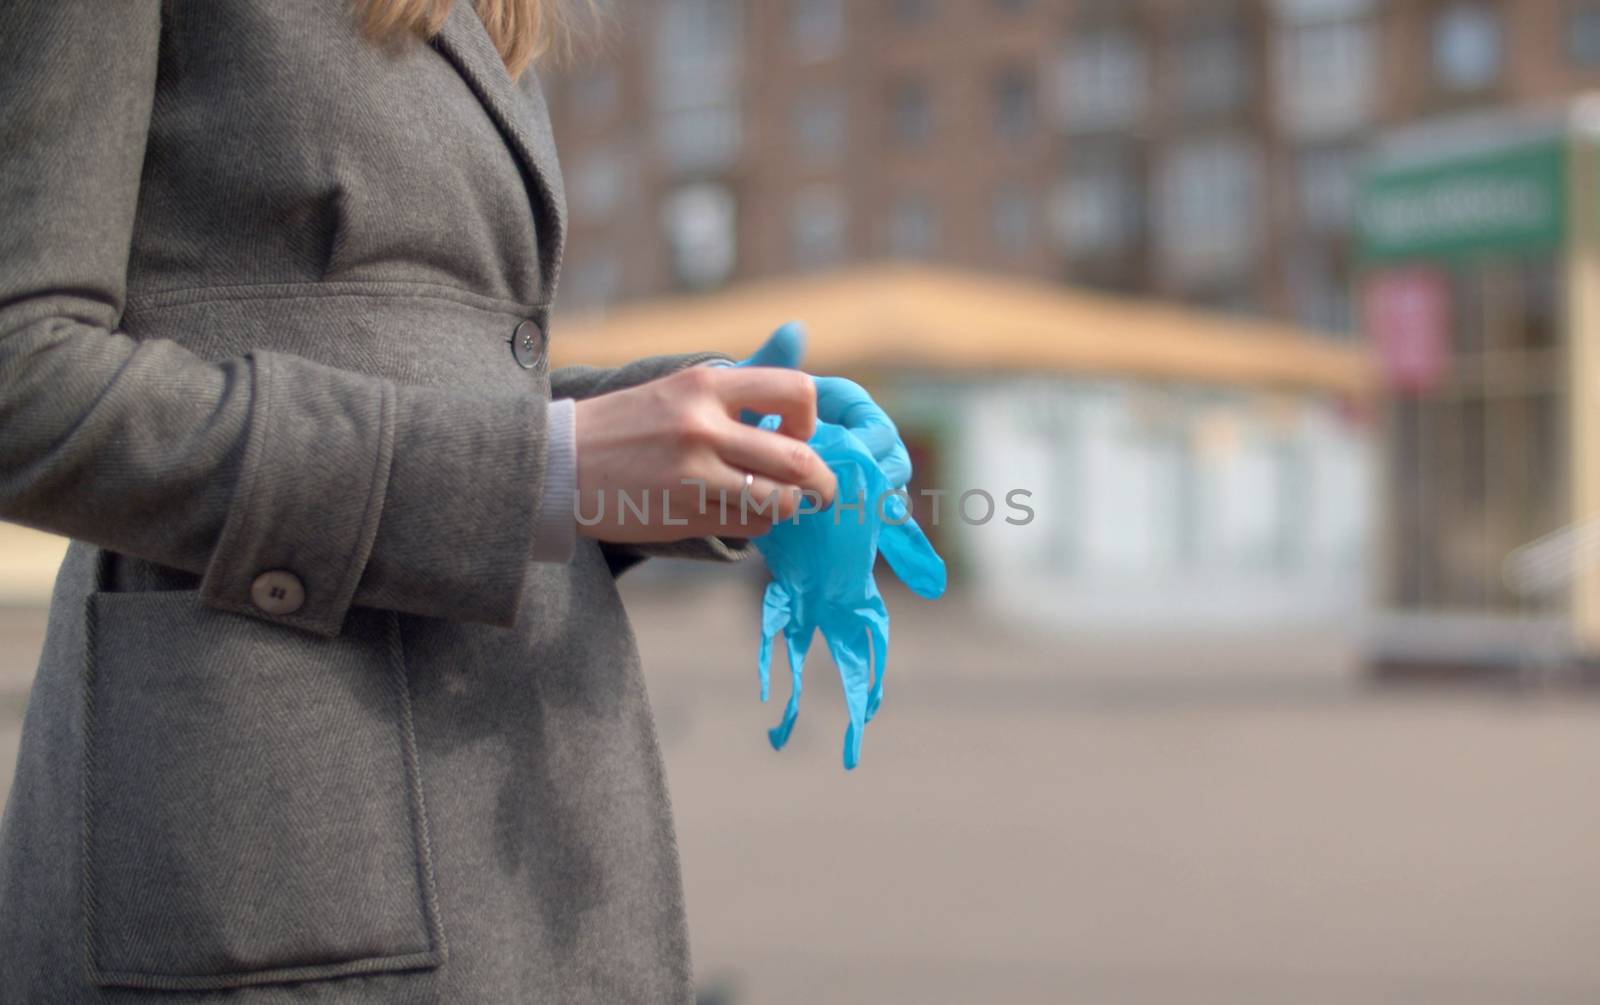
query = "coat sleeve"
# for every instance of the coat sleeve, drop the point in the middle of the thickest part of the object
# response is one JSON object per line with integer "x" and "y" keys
{"x": 370, "y": 493}
{"x": 581, "y": 382}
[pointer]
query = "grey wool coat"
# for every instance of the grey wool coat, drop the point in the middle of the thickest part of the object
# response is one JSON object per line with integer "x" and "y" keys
{"x": 310, "y": 725}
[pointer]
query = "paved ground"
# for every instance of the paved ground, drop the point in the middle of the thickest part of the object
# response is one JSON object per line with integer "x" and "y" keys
{"x": 1045, "y": 822}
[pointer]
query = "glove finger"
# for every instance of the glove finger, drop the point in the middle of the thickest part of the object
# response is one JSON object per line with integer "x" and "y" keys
{"x": 775, "y": 607}
{"x": 877, "y": 618}
{"x": 889, "y": 452}
{"x": 843, "y": 402}
{"x": 764, "y": 666}
{"x": 779, "y": 734}
{"x": 784, "y": 348}
{"x": 852, "y": 746}
{"x": 846, "y": 403}
{"x": 849, "y": 644}
{"x": 911, "y": 556}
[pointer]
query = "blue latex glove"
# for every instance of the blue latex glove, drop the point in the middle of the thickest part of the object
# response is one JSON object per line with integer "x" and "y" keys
{"x": 784, "y": 348}
{"x": 846, "y": 403}
{"x": 822, "y": 578}
{"x": 841, "y": 402}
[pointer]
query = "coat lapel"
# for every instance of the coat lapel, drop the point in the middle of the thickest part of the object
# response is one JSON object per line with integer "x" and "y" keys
{"x": 523, "y": 120}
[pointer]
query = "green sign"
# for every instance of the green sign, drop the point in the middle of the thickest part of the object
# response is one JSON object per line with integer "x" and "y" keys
{"x": 1508, "y": 200}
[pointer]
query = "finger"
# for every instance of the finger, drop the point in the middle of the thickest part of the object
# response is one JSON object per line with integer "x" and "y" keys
{"x": 747, "y": 507}
{"x": 786, "y": 348}
{"x": 776, "y": 458}
{"x": 752, "y": 511}
{"x": 788, "y": 394}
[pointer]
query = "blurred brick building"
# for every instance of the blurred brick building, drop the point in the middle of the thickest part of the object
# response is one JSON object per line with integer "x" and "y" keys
{"x": 1203, "y": 151}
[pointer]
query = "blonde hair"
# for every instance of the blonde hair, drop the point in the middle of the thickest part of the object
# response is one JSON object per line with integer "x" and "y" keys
{"x": 522, "y": 30}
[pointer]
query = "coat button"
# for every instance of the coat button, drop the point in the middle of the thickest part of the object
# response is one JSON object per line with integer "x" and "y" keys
{"x": 278, "y": 592}
{"x": 528, "y": 345}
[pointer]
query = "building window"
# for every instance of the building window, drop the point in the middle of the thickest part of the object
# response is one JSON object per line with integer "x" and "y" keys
{"x": 1583, "y": 33}
{"x": 1014, "y": 104}
{"x": 1210, "y": 210}
{"x": 1467, "y": 46}
{"x": 912, "y": 12}
{"x": 1011, "y": 215}
{"x": 911, "y": 113}
{"x": 700, "y": 225}
{"x": 697, "y": 71}
{"x": 820, "y": 127}
{"x": 595, "y": 282}
{"x": 1097, "y": 210}
{"x": 696, "y": 140}
{"x": 913, "y": 227}
{"x": 596, "y": 95}
{"x": 1327, "y": 76}
{"x": 817, "y": 224}
{"x": 1103, "y": 79}
{"x": 1214, "y": 65}
{"x": 1327, "y": 183}
{"x": 597, "y": 185}
{"x": 1321, "y": 290}
{"x": 816, "y": 28}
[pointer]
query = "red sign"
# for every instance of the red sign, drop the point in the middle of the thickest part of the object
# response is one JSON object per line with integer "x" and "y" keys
{"x": 1408, "y": 318}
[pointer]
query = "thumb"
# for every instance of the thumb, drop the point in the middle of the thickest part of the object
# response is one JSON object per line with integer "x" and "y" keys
{"x": 786, "y": 348}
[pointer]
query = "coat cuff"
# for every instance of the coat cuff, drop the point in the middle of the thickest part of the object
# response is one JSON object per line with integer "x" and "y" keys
{"x": 354, "y": 491}
{"x": 310, "y": 490}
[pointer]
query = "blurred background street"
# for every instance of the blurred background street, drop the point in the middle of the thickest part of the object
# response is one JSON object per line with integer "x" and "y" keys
{"x": 1283, "y": 319}
{"x": 1038, "y": 822}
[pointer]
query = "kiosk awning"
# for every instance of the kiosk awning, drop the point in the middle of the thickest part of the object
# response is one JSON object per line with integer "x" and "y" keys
{"x": 903, "y": 318}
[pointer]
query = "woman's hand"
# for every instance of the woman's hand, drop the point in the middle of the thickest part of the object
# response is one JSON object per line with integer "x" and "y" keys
{"x": 667, "y": 460}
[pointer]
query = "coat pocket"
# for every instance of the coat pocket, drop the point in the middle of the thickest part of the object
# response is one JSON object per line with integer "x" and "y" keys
{"x": 252, "y": 811}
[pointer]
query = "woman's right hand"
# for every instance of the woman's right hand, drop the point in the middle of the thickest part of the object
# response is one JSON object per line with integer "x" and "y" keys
{"x": 678, "y": 443}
